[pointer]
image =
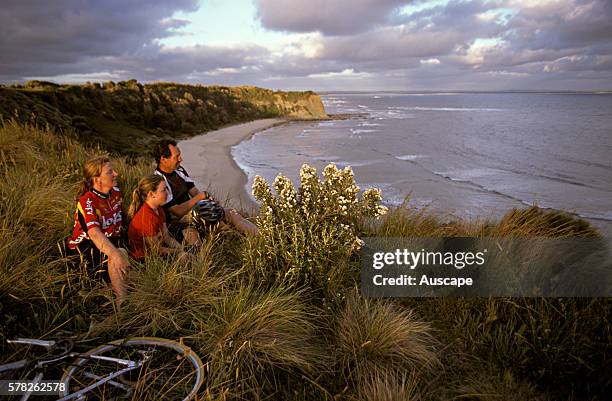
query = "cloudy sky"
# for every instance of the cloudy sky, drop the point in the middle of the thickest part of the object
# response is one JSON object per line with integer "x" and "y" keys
{"x": 313, "y": 44}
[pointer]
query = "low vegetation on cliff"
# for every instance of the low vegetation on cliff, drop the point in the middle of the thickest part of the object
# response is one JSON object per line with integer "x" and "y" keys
{"x": 278, "y": 321}
{"x": 125, "y": 116}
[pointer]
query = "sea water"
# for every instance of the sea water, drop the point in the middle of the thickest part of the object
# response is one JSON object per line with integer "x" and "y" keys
{"x": 461, "y": 154}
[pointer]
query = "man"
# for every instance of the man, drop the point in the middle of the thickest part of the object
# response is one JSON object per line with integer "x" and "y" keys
{"x": 183, "y": 195}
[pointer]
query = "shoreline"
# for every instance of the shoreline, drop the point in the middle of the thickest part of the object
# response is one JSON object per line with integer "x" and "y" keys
{"x": 208, "y": 160}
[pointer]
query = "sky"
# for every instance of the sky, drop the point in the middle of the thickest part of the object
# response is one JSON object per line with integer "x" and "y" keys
{"x": 321, "y": 45}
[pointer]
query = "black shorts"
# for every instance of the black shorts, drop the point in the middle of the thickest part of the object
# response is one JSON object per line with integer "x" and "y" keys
{"x": 90, "y": 257}
{"x": 176, "y": 227}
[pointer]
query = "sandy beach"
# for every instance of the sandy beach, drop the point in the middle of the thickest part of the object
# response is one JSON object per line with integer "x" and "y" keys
{"x": 208, "y": 160}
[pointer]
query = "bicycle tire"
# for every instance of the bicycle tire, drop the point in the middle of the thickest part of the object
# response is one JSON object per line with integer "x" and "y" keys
{"x": 180, "y": 351}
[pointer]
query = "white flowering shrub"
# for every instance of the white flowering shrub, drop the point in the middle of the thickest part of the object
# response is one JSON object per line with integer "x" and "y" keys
{"x": 308, "y": 234}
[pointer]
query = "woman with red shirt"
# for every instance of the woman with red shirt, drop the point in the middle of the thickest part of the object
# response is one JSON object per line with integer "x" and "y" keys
{"x": 148, "y": 230}
{"x": 98, "y": 224}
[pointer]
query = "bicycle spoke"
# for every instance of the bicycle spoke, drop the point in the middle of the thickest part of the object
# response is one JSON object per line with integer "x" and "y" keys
{"x": 168, "y": 370}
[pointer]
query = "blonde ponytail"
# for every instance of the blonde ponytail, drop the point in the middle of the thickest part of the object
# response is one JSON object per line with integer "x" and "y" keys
{"x": 147, "y": 184}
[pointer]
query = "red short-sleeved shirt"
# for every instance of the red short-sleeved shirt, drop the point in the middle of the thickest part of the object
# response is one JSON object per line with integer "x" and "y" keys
{"x": 146, "y": 223}
{"x": 95, "y": 209}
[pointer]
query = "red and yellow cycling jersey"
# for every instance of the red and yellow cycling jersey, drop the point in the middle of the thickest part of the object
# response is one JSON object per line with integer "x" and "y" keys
{"x": 95, "y": 209}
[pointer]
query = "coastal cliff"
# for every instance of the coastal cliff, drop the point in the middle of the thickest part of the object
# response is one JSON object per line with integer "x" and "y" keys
{"x": 124, "y": 117}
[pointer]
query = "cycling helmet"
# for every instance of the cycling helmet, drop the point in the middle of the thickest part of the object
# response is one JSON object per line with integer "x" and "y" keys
{"x": 206, "y": 213}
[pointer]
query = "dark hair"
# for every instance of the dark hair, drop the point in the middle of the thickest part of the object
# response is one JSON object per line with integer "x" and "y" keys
{"x": 162, "y": 149}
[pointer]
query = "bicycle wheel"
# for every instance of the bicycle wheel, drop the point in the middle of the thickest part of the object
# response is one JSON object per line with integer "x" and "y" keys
{"x": 167, "y": 370}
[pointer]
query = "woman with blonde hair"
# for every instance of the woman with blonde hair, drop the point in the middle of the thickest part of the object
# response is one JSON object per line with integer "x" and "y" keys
{"x": 99, "y": 224}
{"x": 148, "y": 231}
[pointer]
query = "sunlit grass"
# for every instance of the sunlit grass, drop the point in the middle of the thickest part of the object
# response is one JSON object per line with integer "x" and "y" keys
{"x": 277, "y": 316}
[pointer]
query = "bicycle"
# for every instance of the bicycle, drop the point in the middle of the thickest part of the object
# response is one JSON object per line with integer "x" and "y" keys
{"x": 136, "y": 368}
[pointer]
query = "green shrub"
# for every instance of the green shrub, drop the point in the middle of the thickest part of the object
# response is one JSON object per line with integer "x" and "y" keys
{"x": 306, "y": 234}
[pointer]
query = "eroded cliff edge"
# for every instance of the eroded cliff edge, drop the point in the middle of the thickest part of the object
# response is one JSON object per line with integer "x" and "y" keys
{"x": 124, "y": 117}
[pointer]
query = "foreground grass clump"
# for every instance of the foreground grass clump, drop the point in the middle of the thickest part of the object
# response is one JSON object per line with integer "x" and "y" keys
{"x": 251, "y": 307}
{"x": 552, "y": 342}
{"x": 256, "y": 339}
{"x": 497, "y": 386}
{"x": 389, "y": 387}
{"x": 167, "y": 297}
{"x": 375, "y": 337}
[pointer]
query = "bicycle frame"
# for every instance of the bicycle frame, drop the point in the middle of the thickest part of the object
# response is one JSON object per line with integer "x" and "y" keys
{"x": 130, "y": 365}
{"x": 107, "y": 379}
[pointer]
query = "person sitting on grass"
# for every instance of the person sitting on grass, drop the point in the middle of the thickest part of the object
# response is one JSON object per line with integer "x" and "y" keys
{"x": 183, "y": 195}
{"x": 148, "y": 231}
{"x": 98, "y": 233}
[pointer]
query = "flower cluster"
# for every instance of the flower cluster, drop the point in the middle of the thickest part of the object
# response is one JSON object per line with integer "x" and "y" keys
{"x": 287, "y": 199}
{"x": 371, "y": 199}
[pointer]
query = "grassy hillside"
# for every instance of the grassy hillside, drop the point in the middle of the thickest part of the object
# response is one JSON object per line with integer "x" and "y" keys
{"x": 279, "y": 316}
{"x": 125, "y": 116}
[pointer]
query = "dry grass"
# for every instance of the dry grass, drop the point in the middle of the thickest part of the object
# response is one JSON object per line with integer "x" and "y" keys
{"x": 378, "y": 337}
{"x": 253, "y": 337}
{"x": 389, "y": 387}
{"x": 496, "y": 387}
{"x": 534, "y": 221}
{"x": 264, "y": 338}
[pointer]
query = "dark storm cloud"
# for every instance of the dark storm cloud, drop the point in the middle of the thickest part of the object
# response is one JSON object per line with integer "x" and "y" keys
{"x": 578, "y": 23}
{"x": 435, "y": 32}
{"x": 179, "y": 63}
{"x": 550, "y": 37}
{"x": 366, "y": 44}
{"x": 389, "y": 44}
{"x": 341, "y": 17}
{"x": 194, "y": 64}
{"x": 455, "y": 15}
{"x": 59, "y": 36}
{"x": 554, "y": 45}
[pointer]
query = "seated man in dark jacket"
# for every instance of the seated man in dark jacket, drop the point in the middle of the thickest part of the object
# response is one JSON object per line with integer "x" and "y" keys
{"x": 183, "y": 195}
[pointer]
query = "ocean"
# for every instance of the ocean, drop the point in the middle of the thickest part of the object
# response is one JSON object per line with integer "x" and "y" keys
{"x": 464, "y": 155}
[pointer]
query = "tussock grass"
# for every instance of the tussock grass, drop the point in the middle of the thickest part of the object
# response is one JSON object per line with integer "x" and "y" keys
{"x": 537, "y": 222}
{"x": 378, "y": 337}
{"x": 262, "y": 327}
{"x": 254, "y": 337}
{"x": 34, "y": 203}
{"x": 406, "y": 221}
{"x": 557, "y": 344}
{"x": 167, "y": 297}
{"x": 164, "y": 297}
{"x": 389, "y": 387}
{"x": 495, "y": 387}
{"x": 21, "y": 274}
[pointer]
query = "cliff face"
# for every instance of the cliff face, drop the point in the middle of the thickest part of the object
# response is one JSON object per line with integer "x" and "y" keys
{"x": 124, "y": 117}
